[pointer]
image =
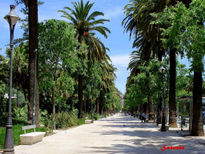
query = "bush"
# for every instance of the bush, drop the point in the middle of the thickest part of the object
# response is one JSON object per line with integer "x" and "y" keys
{"x": 21, "y": 113}
{"x": 65, "y": 119}
{"x": 81, "y": 121}
{"x": 48, "y": 123}
{"x": 96, "y": 117}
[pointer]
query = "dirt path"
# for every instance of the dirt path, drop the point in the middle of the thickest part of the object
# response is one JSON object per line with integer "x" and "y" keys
{"x": 118, "y": 134}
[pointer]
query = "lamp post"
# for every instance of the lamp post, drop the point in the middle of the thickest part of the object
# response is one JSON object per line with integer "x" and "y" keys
{"x": 163, "y": 126}
{"x": 12, "y": 19}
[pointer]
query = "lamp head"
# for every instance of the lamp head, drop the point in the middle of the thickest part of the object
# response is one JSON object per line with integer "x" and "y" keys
{"x": 12, "y": 17}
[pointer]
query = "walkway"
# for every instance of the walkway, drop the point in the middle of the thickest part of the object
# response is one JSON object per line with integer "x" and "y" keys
{"x": 118, "y": 134}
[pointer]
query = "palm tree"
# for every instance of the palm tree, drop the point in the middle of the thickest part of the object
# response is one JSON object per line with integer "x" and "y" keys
{"x": 108, "y": 81}
{"x": 86, "y": 26}
{"x": 33, "y": 46}
{"x": 147, "y": 36}
{"x": 135, "y": 62}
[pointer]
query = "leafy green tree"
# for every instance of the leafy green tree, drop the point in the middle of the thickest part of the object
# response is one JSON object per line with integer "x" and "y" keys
{"x": 186, "y": 32}
{"x": 57, "y": 48}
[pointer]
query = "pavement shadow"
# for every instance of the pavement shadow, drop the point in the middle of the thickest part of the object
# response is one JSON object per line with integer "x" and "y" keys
{"x": 146, "y": 140}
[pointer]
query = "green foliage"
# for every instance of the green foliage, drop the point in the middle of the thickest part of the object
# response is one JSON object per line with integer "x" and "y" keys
{"x": 81, "y": 121}
{"x": 21, "y": 113}
{"x": 183, "y": 81}
{"x": 58, "y": 60}
{"x": 65, "y": 120}
{"x": 148, "y": 82}
{"x": 93, "y": 81}
{"x": 87, "y": 23}
{"x": 48, "y": 122}
{"x": 65, "y": 52}
{"x": 3, "y": 103}
{"x": 185, "y": 30}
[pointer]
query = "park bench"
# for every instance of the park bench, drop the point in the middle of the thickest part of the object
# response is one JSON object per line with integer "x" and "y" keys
{"x": 88, "y": 121}
{"x": 31, "y": 138}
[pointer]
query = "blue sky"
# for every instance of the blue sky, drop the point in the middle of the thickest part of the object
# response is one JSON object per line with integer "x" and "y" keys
{"x": 118, "y": 41}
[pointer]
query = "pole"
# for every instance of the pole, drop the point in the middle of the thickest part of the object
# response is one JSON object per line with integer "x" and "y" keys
{"x": 9, "y": 143}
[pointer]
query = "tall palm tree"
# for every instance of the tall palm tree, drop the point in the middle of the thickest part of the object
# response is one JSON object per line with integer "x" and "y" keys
{"x": 86, "y": 26}
{"x": 147, "y": 36}
{"x": 107, "y": 81}
{"x": 135, "y": 62}
{"x": 33, "y": 46}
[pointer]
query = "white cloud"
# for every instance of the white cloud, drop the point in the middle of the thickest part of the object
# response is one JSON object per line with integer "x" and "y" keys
{"x": 113, "y": 13}
{"x": 120, "y": 60}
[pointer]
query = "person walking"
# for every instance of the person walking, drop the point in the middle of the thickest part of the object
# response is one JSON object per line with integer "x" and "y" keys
{"x": 144, "y": 117}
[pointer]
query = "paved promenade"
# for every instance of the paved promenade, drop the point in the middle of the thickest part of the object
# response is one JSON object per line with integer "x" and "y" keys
{"x": 118, "y": 134}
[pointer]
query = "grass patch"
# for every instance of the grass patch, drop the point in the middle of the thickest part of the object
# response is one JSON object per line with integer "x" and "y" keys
{"x": 17, "y": 131}
{"x": 81, "y": 121}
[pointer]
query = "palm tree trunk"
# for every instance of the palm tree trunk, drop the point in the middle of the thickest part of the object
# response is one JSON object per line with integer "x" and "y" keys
{"x": 172, "y": 91}
{"x": 80, "y": 96}
{"x": 197, "y": 121}
{"x": 37, "y": 104}
{"x": 33, "y": 45}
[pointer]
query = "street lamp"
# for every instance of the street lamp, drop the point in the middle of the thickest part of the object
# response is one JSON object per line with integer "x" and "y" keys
{"x": 163, "y": 126}
{"x": 12, "y": 19}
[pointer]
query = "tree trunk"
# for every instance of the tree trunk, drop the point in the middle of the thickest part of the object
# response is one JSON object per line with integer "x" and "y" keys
{"x": 150, "y": 109}
{"x": 37, "y": 105}
{"x": 33, "y": 45}
{"x": 159, "y": 105}
{"x": 97, "y": 106}
{"x": 172, "y": 90}
{"x": 150, "y": 106}
{"x": 80, "y": 96}
{"x": 87, "y": 106}
{"x": 197, "y": 121}
{"x": 54, "y": 108}
{"x": 159, "y": 111}
{"x": 101, "y": 103}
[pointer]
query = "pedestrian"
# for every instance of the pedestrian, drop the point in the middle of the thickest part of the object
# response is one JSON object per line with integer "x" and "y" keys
{"x": 144, "y": 117}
